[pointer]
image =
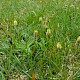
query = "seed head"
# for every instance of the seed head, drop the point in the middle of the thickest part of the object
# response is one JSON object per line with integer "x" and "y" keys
{"x": 35, "y": 35}
{"x": 48, "y": 33}
{"x": 33, "y": 76}
{"x": 78, "y": 40}
{"x": 15, "y": 23}
{"x": 59, "y": 46}
{"x": 40, "y": 19}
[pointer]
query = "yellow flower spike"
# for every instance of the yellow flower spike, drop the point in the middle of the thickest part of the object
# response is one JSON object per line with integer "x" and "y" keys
{"x": 33, "y": 76}
{"x": 46, "y": 21}
{"x": 78, "y": 40}
{"x": 50, "y": 53}
{"x": 40, "y": 19}
{"x": 66, "y": 34}
{"x": 18, "y": 75}
{"x": 48, "y": 33}
{"x": 59, "y": 45}
{"x": 10, "y": 35}
{"x": 35, "y": 35}
{"x": 15, "y": 23}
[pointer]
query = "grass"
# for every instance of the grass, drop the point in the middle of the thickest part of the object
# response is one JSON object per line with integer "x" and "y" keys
{"x": 38, "y": 40}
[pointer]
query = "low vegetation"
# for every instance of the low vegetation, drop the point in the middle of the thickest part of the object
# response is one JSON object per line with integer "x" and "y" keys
{"x": 39, "y": 40}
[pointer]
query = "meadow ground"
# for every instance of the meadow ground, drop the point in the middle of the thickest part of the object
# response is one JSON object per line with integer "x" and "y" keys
{"x": 39, "y": 40}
